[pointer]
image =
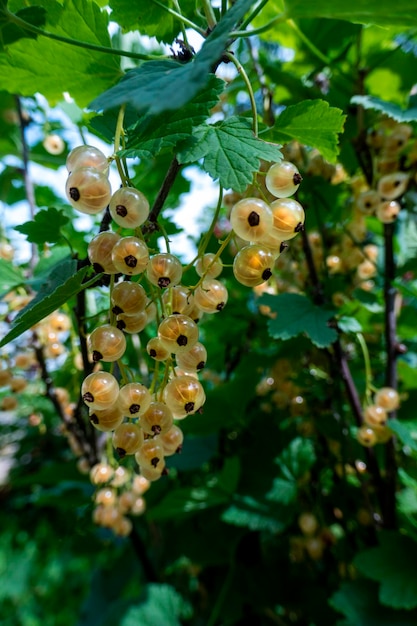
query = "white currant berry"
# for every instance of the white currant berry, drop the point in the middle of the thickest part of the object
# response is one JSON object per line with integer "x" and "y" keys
{"x": 178, "y": 333}
{"x": 100, "y": 252}
{"x": 108, "y": 419}
{"x": 157, "y": 419}
{"x": 288, "y": 217}
{"x": 194, "y": 360}
{"x": 211, "y": 296}
{"x": 184, "y": 395}
{"x": 129, "y": 298}
{"x": 208, "y": 265}
{"x": 129, "y": 207}
{"x": 283, "y": 179}
{"x": 164, "y": 270}
{"x": 132, "y": 324}
{"x": 88, "y": 190}
{"x": 130, "y": 256}
{"x": 87, "y": 156}
{"x": 107, "y": 343}
{"x": 100, "y": 390}
{"x": 387, "y": 211}
{"x": 134, "y": 398}
{"x": 156, "y": 350}
{"x": 127, "y": 438}
{"x": 388, "y": 398}
{"x": 251, "y": 219}
{"x": 393, "y": 185}
{"x": 253, "y": 265}
{"x": 171, "y": 441}
{"x": 178, "y": 299}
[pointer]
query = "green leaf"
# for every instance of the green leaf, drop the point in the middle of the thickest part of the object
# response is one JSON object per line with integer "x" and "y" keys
{"x": 159, "y": 86}
{"x": 52, "y": 67}
{"x": 149, "y": 18}
{"x": 387, "y": 108}
{"x": 10, "y": 277}
{"x": 358, "y": 601}
{"x": 393, "y": 565}
{"x": 160, "y": 604}
{"x": 151, "y": 134}
{"x": 58, "y": 291}
{"x": 369, "y": 12}
{"x": 247, "y": 512}
{"x": 11, "y": 32}
{"x": 230, "y": 150}
{"x": 283, "y": 491}
{"x": 187, "y": 500}
{"x": 349, "y": 324}
{"x": 311, "y": 122}
{"x": 296, "y": 314}
{"x": 406, "y": 432}
{"x": 295, "y": 460}
{"x": 46, "y": 227}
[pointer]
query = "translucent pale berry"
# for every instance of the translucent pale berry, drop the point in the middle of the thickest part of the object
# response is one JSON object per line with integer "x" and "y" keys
{"x": 87, "y": 156}
{"x": 393, "y": 185}
{"x": 209, "y": 266}
{"x": 107, "y": 343}
{"x": 106, "y": 419}
{"x": 387, "y": 211}
{"x": 251, "y": 219}
{"x": 132, "y": 323}
{"x": 368, "y": 201}
{"x": 388, "y": 398}
{"x": 150, "y": 456}
{"x": 156, "y": 350}
{"x": 140, "y": 484}
{"x": 253, "y": 265}
{"x": 288, "y": 218}
{"x": 152, "y": 473}
{"x": 194, "y": 360}
{"x": 366, "y": 436}
{"x": 308, "y": 523}
{"x": 172, "y": 440}
{"x": 184, "y": 395}
{"x": 164, "y": 270}
{"x": 375, "y": 415}
{"x": 105, "y": 496}
{"x": 366, "y": 269}
{"x": 127, "y": 438}
{"x": 88, "y": 190}
{"x": 100, "y": 251}
{"x": 283, "y": 179}
{"x": 178, "y": 333}
{"x": 130, "y": 256}
{"x": 100, "y": 390}
{"x": 134, "y": 398}
{"x": 156, "y": 419}
{"x": 129, "y": 207}
{"x": 101, "y": 473}
{"x": 211, "y": 296}
{"x": 128, "y": 297}
{"x": 178, "y": 299}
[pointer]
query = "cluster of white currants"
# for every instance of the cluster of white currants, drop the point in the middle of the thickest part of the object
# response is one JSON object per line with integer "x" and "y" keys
{"x": 383, "y": 200}
{"x": 143, "y": 418}
{"x": 266, "y": 226}
{"x": 375, "y": 417}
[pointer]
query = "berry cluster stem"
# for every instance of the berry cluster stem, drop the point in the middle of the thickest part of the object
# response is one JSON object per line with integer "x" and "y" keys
{"x": 26, "y": 26}
{"x": 231, "y": 57}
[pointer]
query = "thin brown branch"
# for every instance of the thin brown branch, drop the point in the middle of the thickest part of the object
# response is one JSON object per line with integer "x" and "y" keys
{"x": 166, "y": 186}
{"x": 76, "y": 426}
{"x": 27, "y": 181}
{"x": 391, "y": 346}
